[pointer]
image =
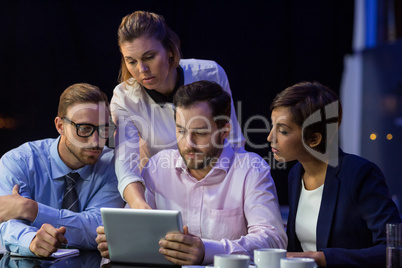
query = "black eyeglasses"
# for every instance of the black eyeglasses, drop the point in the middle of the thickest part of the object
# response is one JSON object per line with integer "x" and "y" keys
{"x": 86, "y": 130}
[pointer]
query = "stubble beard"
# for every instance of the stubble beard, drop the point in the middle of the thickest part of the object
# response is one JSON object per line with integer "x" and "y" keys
{"x": 209, "y": 158}
{"x": 78, "y": 153}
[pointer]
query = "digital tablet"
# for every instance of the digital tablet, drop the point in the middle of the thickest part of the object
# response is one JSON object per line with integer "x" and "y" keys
{"x": 133, "y": 234}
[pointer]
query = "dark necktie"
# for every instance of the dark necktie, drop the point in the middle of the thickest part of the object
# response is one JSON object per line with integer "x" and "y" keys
{"x": 70, "y": 198}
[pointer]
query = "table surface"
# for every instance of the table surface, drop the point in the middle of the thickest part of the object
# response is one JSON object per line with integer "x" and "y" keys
{"x": 87, "y": 259}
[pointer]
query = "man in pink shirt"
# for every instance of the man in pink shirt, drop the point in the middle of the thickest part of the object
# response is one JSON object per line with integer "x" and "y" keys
{"x": 227, "y": 198}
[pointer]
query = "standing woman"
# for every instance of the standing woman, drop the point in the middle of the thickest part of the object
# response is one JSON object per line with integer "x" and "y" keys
{"x": 339, "y": 203}
{"x": 151, "y": 72}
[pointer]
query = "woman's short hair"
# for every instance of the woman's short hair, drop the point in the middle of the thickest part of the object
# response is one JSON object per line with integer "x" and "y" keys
{"x": 143, "y": 23}
{"x": 80, "y": 93}
{"x": 218, "y": 100}
{"x": 304, "y": 99}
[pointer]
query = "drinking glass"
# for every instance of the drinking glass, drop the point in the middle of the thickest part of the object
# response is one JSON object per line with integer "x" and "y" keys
{"x": 394, "y": 245}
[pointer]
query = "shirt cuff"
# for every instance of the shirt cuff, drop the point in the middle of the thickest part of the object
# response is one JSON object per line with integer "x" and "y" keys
{"x": 126, "y": 181}
{"x": 46, "y": 214}
{"x": 212, "y": 247}
{"x": 24, "y": 243}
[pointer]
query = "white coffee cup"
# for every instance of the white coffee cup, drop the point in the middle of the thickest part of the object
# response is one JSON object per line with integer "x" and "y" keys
{"x": 231, "y": 261}
{"x": 298, "y": 263}
{"x": 269, "y": 257}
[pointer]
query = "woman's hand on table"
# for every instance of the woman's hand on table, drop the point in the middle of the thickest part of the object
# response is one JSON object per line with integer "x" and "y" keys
{"x": 318, "y": 256}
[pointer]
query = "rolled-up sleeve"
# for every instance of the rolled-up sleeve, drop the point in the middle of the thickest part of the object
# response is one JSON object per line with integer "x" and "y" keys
{"x": 127, "y": 142}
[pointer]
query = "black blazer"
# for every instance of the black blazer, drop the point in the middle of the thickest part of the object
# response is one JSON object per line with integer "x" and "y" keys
{"x": 355, "y": 207}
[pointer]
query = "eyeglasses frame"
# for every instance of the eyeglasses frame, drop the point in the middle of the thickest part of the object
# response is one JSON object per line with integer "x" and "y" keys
{"x": 94, "y": 128}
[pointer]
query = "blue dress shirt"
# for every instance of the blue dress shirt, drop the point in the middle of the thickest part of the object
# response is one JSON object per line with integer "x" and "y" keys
{"x": 38, "y": 169}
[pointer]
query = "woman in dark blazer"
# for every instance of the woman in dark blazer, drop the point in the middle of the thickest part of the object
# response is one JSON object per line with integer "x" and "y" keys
{"x": 339, "y": 203}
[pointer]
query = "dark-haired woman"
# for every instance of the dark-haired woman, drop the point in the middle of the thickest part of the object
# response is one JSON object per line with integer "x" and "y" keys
{"x": 339, "y": 203}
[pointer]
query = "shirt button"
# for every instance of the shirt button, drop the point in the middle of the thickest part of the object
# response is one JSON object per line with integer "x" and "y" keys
{"x": 194, "y": 211}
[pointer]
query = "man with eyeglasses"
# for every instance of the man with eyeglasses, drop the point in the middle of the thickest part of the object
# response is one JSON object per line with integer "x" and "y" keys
{"x": 51, "y": 190}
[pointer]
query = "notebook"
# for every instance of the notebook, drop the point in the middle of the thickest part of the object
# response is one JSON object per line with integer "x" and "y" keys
{"x": 60, "y": 253}
{"x": 133, "y": 234}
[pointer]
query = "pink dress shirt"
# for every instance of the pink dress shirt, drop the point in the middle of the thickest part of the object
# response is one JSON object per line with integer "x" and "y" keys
{"x": 234, "y": 209}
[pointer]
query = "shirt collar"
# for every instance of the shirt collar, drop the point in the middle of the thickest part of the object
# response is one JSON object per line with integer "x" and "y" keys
{"x": 162, "y": 99}
{"x": 60, "y": 169}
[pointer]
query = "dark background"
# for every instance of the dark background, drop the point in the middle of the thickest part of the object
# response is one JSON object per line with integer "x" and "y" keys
{"x": 264, "y": 46}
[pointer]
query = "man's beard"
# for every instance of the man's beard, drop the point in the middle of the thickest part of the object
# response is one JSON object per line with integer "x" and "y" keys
{"x": 78, "y": 153}
{"x": 209, "y": 158}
